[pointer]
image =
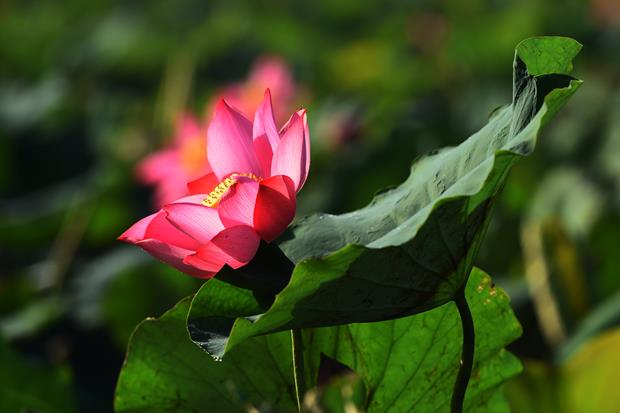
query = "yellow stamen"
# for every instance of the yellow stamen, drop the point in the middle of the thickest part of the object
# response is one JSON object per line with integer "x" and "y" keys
{"x": 216, "y": 195}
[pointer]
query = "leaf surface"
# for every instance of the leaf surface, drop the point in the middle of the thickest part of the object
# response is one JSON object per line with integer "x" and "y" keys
{"x": 407, "y": 364}
{"x": 410, "y": 364}
{"x": 164, "y": 371}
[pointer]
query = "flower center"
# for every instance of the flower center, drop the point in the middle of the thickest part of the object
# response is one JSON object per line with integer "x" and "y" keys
{"x": 216, "y": 195}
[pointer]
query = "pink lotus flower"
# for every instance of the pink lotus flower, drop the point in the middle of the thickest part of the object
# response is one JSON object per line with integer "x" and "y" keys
{"x": 185, "y": 159}
{"x": 170, "y": 169}
{"x": 250, "y": 194}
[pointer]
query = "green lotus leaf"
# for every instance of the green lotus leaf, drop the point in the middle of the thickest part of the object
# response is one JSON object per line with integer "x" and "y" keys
{"x": 406, "y": 364}
{"x": 165, "y": 372}
{"x": 412, "y": 248}
{"x": 410, "y": 364}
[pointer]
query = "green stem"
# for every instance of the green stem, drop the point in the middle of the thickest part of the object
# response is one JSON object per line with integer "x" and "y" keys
{"x": 298, "y": 366}
{"x": 467, "y": 355}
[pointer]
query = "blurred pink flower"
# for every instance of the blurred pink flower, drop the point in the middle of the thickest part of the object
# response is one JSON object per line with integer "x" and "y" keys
{"x": 269, "y": 72}
{"x": 171, "y": 168}
{"x": 249, "y": 193}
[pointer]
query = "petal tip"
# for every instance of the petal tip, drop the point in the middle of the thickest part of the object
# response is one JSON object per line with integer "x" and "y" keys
{"x": 223, "y": 107}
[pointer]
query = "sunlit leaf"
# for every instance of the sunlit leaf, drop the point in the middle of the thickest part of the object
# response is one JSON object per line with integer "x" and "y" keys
{"x": 590, "y": 377}
{"x": 410, "y": 364}
{"x": 586, "y": 382}
{"x": 603, "y": 317}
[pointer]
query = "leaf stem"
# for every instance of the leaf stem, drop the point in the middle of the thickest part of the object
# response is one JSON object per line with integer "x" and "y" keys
{"x": 467, "y": 355}
{"x": 298, "y": 366}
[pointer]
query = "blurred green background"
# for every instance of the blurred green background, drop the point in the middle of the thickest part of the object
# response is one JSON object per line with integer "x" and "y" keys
{"x": 87, "y": 89}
